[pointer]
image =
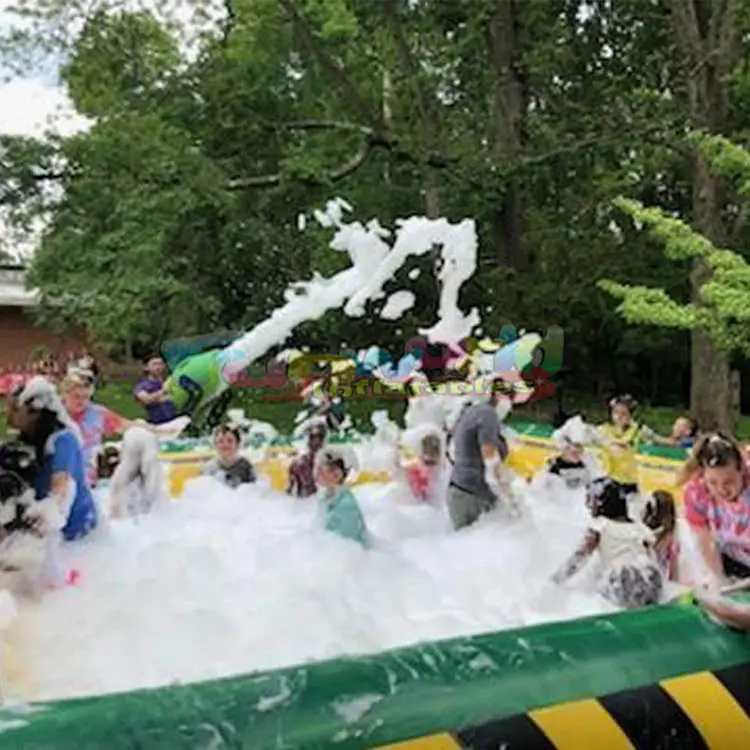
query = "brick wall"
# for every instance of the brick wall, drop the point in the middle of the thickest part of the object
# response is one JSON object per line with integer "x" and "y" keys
{"x": 19, "y": 337}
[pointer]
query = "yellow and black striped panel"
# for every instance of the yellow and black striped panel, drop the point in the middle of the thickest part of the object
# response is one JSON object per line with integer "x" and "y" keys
{"x": 701, "y": 711}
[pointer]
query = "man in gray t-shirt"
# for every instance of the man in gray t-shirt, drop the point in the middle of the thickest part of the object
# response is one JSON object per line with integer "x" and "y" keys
{"x": 477, "y": 440}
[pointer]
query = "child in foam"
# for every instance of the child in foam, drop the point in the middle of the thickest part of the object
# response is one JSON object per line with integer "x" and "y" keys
{"x": 571, "y": 465}
{"x": 64, "y": 500}
{"x": 424, "y": 472}
{"x": 229, "y": 467}
{"x": 717, "y": 506}
{"x": 684, "y": 434}
{"x": 132, "y": 474}
{"x": 660, "y": 515}
{"x": 631, "y": 576}
{"x": 301, "y": 481}
{"x": 63, "y": 503}
{"x": 343, "y": 516}
{"x": 621, "y": 437}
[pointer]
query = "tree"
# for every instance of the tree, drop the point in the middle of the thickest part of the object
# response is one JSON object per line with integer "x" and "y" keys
{"x": 709, "y": 36}
{"x": 529, "y": 116}
{"x": 718, "y": 309}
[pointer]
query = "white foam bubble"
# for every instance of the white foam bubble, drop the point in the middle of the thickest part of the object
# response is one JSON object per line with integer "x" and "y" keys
{"x": 216, "y": 584}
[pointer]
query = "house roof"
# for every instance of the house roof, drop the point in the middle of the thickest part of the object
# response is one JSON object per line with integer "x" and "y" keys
{"x": 13, "y": 291}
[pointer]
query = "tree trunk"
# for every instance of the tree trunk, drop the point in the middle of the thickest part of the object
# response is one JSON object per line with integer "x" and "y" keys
{"x": 431, "y": 196}
{"x": 508, "y": 110}
{"x": 387, "y": 117}
{"x": 711, "y": 395}
{"x": 706, "y": 33}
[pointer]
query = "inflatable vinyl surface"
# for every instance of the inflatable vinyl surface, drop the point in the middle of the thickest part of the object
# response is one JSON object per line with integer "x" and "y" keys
{"x": 657, "y": 466}
{"x": 662, "y": 677}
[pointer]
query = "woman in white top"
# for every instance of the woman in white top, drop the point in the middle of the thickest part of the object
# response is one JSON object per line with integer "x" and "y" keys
{"x": 630, "y": 575}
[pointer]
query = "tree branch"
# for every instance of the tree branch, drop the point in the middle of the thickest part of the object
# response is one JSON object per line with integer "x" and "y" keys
{"x": 374, "y": 142}
{"x": 229, "y": 22}
{"x": 410, "y": 67}
{"x": 351, "y": 166}
{"x": 729, "y": 38}
{"x": 272, "y": 180}
{"x": 352, "y": 127}
{"x": 719, "y": 15}
{"x": 50, "y": 176}
{"x": 687, "y": 27}
{"x": 335, "y": 70}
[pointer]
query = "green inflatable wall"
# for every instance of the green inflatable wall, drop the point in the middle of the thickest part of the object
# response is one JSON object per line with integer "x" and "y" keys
{"x": 525, "y": 428}
{"x": 390, "y": 697}
{"x": 477, "y": 692}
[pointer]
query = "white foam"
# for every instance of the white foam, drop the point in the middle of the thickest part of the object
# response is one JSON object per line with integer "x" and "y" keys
{"x": 217, "y": 584}
{"x": 8, "y": 610}
{"x": 398, "y": 303}
{"x": 373, "y": 263}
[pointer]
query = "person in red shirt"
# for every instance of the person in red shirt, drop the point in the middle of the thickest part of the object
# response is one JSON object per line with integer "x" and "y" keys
{"x": 301, "y": 481}
{"x": 423, "y": 472}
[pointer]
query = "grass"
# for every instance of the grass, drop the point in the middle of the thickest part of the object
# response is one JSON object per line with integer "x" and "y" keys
{"x": 117, "y": 397}
{"x": 260, "y": 404}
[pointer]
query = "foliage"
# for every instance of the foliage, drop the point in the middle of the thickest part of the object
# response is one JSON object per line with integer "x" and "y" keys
{"x": 176, "y": 212}
{"x": 721, "y": 308}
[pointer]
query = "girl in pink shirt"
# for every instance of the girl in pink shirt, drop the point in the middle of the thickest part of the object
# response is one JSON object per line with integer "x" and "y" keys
{"x": 423, "y": 472}
{"x": 717, "y": 506}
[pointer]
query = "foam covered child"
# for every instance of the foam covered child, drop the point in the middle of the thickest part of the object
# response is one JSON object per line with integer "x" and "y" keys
{"x": 301, "y": 472}
{"x": 660, "y": 515}
{"x": 630, "y": 576}
{"x": 342, "y": 514}
{"x": 570, "y": 464}
{"x": 133, "y": 475}
{"x": 229, "y": 467}
{"x": 423, "y": 473}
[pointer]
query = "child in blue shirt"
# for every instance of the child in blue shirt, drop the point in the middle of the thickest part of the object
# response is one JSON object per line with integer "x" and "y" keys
{"x": 342, "y": 512}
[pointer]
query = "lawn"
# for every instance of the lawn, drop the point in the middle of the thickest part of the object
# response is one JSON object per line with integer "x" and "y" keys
{"x": 259, "y": 403}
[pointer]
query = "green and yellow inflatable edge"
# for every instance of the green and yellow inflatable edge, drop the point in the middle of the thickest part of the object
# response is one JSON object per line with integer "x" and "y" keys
{"x": 657, "y": 465}
{"x": 663, "y": 677}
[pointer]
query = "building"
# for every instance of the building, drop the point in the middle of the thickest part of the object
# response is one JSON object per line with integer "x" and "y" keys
{"x": 21, "y": 339}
